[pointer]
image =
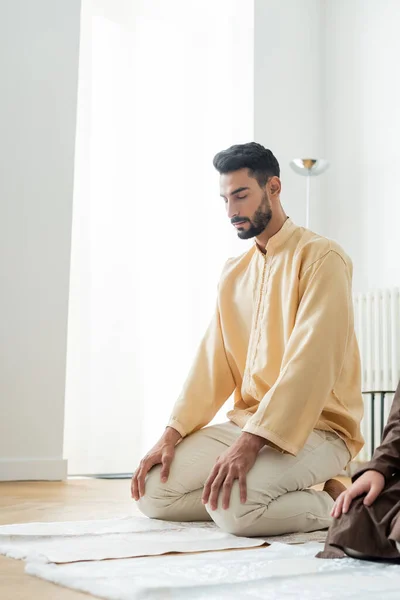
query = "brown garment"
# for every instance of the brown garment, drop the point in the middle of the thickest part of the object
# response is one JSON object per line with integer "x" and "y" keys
{"x": 373, "y": 530}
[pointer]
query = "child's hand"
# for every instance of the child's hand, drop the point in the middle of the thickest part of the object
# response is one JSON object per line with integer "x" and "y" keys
{"x": 370, "y": 483}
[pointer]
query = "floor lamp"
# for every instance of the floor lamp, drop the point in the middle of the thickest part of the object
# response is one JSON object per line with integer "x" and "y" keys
{"x": 309, "y": 167}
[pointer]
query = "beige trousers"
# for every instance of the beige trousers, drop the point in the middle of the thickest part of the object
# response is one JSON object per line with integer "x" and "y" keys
{"x": 278, "y": 498}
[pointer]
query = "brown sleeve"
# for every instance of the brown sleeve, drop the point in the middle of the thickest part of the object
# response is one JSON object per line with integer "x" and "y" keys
{"x": 386, "y": 458}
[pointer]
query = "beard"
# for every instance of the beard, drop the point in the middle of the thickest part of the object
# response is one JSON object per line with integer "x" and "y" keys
{"x": 259, "y": 220}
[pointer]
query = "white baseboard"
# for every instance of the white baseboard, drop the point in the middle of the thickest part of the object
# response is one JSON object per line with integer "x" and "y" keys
{"x": 37, "y": 469}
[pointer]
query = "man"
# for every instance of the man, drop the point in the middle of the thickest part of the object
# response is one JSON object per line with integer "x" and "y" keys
{"x": 367, "y": 515}
{"x": 282, "y": 341}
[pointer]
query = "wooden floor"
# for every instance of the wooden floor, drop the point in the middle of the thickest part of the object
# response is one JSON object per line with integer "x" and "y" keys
{"x": 76, "y": 499}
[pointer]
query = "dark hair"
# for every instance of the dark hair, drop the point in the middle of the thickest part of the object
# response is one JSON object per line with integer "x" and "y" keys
{"x": 261, "y": 163}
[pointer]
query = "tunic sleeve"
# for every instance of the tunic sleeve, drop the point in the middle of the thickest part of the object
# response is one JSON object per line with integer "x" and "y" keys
{"x": 386, "y": 458}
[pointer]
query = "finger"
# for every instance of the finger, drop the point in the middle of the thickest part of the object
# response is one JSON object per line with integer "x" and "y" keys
{"x": 243, "y": 488}
{"x": 226, "y": 491}
{"x": 145, "y": 468}
{"x": 338, "y": 506}
{"x": 140, "y": 483}
{"x": 134, "y": 487}
{"x": 348, "y": 499}
{"x": 332, "y": 513}
{"x": 166, "y": 464}
{"x": 371, "y": 496}
{"x": 215, "y": 489}
{"x": 207, "y": 486}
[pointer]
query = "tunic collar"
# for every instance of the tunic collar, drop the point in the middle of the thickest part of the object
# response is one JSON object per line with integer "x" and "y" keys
{"x": 281, "y": 237}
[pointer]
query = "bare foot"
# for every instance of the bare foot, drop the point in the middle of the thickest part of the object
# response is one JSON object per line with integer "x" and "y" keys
{"x": 334, "y": 488}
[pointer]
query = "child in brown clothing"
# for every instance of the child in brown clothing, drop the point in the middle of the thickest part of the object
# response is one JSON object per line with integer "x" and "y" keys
{"x": 366, "y": 516}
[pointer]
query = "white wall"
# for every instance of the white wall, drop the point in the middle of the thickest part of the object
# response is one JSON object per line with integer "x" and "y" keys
{"x": 327, "y": 84}
{"x": 361, "y": 191}
{"x": 288, "y": 92}
{"x": 38, "y": 65}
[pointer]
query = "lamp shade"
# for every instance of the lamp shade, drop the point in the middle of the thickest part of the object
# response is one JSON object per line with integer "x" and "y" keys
{"x": 309, "y": 166}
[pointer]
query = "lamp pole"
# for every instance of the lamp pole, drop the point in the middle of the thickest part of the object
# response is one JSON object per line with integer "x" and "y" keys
{"x": 309, "y": 167}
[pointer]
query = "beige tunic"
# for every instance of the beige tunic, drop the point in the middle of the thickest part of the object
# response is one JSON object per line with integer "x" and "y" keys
{"x": 282, "y": 341}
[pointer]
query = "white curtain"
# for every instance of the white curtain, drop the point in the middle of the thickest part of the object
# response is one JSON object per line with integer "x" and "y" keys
{"x": 163, "y": 87}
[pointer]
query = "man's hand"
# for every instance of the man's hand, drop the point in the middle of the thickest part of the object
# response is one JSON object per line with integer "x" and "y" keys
{"x": 162, "y": 453}
{"x": 370, "y": 483}
{"x": 233, "y": 464}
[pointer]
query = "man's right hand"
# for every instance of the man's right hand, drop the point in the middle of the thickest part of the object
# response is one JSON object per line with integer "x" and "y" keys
{"x": 370, "y": 483}
{"x": 162, "y": 453}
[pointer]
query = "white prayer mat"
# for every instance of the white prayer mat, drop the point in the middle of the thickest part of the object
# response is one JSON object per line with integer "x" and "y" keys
{"x": 279, "y": 572}
{"x": 115, "y": 538}
{"x": 97, "y": 527}
{"x": 136, "y": 524}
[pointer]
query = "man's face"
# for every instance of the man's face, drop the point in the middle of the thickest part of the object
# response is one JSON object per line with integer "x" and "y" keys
{"x": 247, "y": 204}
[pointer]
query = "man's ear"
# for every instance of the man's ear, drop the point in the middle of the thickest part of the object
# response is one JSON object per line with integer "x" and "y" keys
{"x": 274, "y": 186}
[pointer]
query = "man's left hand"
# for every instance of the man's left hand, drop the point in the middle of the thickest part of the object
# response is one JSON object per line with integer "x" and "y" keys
{"x": 233, "y": 464}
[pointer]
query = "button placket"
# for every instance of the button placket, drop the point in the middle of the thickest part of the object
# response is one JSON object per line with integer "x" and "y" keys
{"x": 259, "y": 319}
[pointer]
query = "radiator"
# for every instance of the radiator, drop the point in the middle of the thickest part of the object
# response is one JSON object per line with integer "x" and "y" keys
{"x": 377, "y": 325}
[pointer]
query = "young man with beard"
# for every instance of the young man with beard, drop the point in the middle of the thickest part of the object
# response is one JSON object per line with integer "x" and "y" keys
{"x": 282, "y": 341}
